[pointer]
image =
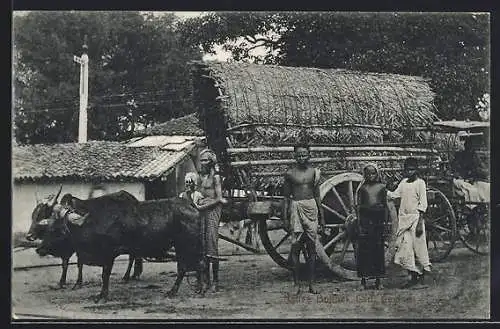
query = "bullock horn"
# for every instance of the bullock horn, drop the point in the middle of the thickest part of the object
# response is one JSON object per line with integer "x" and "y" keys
{"x": 57, "y": 196}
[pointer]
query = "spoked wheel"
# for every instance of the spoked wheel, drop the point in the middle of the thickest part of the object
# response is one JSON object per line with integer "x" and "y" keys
{"x": 338, "y": 201}
{"x": 276, "y": 239}
{"x": 338, "y": 249}
{"x": 335, "y": 248}
{"x": 440, "y": 225}
{"x": 474, "y": 230}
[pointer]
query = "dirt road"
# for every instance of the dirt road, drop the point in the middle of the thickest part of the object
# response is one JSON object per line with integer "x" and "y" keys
{"x": 255, "y": 287}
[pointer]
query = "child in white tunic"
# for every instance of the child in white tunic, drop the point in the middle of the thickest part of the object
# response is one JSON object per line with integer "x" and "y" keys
{"x": 411, "y": 242}
{"x": 191, "y": 193}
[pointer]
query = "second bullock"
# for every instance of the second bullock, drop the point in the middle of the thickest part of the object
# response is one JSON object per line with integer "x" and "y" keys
{"x": 118, "y": 224}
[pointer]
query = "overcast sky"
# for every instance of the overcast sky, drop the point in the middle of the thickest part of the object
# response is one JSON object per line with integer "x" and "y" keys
{"x": 220, "y": 54}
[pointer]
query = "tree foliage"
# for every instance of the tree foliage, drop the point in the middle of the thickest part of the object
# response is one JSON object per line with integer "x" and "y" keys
{"x": 450, "y": 49}
{"x": 138, "y": 73}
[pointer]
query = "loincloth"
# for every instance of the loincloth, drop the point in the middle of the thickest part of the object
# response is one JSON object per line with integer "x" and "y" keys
{"x": 304, "y": 218}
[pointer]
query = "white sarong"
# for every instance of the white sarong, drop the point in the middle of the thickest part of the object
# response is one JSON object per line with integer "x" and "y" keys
{"x": 304, "y": 218}
{"x": 411, "y": 249}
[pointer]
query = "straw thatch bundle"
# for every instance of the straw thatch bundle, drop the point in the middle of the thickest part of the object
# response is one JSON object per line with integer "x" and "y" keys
{"x": 249, "y": 105}
{"x": 297, "y": 95}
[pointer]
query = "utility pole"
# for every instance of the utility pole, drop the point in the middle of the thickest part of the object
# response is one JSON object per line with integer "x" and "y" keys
{"x": 84, "y": 91}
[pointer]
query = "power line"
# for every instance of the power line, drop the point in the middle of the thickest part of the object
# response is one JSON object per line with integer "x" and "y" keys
{"x": 159, "y": 92}
{"x": 113, "y": 105}
{"x": 72, "y": 100}
{"x": 59, "y": 101}
{"x": 54, "y": 109}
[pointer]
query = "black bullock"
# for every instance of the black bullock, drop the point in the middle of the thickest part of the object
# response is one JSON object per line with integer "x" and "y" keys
{"x": 118, "y": 223}
{"x": 80, "y": 206}
{"x": 174, "y": 222}
{"x": 64, "y": 247}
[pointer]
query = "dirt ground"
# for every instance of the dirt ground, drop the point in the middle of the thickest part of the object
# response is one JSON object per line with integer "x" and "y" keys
{"x": 253, "y": 287}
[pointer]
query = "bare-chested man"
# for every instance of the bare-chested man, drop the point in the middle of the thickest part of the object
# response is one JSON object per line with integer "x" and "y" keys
{"x": 303, "y": 208}
{"x": 211, "y": 208}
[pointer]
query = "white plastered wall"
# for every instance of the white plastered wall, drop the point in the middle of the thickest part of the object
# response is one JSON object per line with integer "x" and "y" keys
{"x": 24, "y": 196}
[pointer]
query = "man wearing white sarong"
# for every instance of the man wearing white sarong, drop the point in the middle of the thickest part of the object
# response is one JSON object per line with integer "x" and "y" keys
{"x": 302, "y": 207}
{"x": 411, "y": 244}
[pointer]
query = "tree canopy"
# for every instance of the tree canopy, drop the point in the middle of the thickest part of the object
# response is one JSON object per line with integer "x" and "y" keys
{"x": 451, "y": 49}
{"x": 138, "y": 73}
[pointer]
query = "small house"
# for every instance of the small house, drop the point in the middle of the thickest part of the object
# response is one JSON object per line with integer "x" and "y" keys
{"x": 148, "y": 167}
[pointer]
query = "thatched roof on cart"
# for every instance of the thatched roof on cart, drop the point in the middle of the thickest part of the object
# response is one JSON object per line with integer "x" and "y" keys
{"x": 243, "y": 106}
{"x": 252, "y": 93}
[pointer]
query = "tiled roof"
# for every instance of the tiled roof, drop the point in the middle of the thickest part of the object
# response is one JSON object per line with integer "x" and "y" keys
{"x": 186, "y": 126}
{"x": 102, "y": 160}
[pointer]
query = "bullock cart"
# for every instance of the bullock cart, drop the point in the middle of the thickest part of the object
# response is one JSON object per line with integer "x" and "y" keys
{"x": 253, "y": 115}
{"x": 472, "y": 211}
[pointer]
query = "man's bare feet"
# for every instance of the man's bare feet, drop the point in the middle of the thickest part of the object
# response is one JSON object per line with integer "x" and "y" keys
{"x": 296, "y": 287}
{"x": 412, "y": 282}
{"x": 214, "y": 287}
{"x": 313, "y": 291}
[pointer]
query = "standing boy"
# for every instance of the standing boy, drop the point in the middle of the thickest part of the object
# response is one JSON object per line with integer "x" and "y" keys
{"x": 303, "y": 206}
{"x": 411, "y": 243}
{"x": 371, "y": 197}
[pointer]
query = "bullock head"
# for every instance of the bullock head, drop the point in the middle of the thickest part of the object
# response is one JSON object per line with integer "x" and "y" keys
{"x": 39, "y": 216}
{"x": 56, "y": 233}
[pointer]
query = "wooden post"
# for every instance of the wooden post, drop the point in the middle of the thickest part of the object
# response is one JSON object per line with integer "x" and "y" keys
{"x": 84, "y": 92}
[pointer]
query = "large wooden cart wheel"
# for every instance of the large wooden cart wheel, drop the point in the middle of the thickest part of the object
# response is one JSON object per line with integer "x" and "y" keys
{"x": 335, "y": 249}
{"x": 474, "y": 230}
{"x": 440, "y": 225}
{"x": 276, "y": 239}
